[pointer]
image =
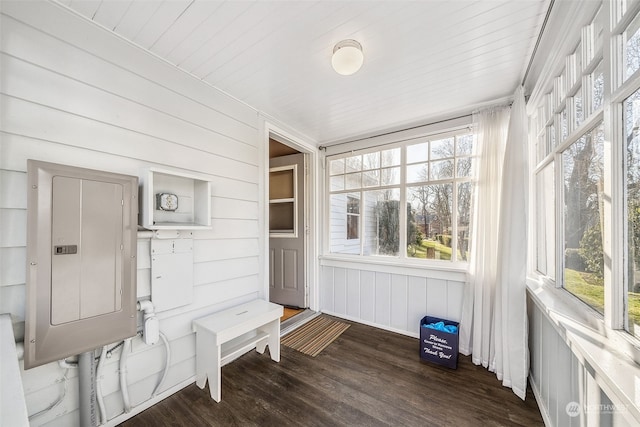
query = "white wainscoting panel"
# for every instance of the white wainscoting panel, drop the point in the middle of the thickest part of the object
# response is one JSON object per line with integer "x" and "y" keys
{"x": 389, "y": 300}
{"x": 566, "y": 388}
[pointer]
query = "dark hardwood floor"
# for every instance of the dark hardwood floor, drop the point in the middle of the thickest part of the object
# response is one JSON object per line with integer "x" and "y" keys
{"x": 367, "y": 377}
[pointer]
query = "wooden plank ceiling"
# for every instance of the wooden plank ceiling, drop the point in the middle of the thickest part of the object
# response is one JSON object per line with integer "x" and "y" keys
{"x": 424, "y": 60}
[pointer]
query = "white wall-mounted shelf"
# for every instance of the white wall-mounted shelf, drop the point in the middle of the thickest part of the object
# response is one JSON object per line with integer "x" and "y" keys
{"x": 194, "y": 201}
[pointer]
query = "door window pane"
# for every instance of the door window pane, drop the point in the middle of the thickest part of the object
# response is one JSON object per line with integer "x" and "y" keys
{"x": 281, "y": 184}
{"x": 281, "y": 217}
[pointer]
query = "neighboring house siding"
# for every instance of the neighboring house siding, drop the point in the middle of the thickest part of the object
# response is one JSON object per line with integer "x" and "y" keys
{"x": 368, "y": 220}
{"x": 338, "y": 227}
{"x": 76, "y": 94}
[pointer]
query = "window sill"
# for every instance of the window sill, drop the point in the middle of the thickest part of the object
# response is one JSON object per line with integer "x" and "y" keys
{"x": 611, "y": 355}
{"x": 431, "y": 269}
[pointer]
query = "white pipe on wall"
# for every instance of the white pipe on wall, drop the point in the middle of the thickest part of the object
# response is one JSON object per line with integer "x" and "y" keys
{"x": 86, "y": 378}
{"x": 166, "y": 364}
{"x": 126, "y": 348}
{"x": 99, "y": 396}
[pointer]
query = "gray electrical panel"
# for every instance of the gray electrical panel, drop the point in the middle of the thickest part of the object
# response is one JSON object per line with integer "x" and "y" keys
{"x": 81, "y": 254}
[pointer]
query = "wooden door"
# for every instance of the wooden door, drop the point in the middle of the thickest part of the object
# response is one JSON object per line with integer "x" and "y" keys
{"x": 287, "y": 231}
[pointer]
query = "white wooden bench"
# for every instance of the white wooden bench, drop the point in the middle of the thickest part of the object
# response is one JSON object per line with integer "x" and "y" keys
{"x": 223, "y": 336}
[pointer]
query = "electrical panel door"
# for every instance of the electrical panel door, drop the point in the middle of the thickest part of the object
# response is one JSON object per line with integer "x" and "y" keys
{"x": 87, "y": 215}
{"x": 82, "y": 260}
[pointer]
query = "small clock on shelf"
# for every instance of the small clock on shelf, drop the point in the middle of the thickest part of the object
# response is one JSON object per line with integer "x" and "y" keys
{"x": 166, "y": 202}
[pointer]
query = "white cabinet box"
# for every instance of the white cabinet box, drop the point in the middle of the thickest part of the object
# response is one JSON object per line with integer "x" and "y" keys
{"x": 174, "y": 201}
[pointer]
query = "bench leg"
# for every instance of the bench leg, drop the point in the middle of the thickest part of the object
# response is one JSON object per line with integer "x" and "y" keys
{"x": 261, "y": 345}
{"x": 214, "y": 374}
{"x": 273, "y": 329}
{"x": 208, "y": 364}
{"x": 201, "y": 364}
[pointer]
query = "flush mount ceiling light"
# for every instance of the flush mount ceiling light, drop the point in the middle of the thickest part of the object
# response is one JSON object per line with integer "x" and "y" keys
{"x": 347, "y": 57}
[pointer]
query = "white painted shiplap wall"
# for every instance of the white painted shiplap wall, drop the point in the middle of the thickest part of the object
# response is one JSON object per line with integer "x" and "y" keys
{"x": 567, "y": 388}
{"x": 73, "y": 93}
{"x": 394, "y": 298}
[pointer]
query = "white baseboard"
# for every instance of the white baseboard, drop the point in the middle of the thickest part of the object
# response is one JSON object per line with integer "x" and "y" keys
{"x": 375, "y": 325}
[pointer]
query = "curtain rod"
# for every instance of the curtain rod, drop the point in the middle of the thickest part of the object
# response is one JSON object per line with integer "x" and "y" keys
{"x": 535, "y": 48}
{"x": 324, "y": 147}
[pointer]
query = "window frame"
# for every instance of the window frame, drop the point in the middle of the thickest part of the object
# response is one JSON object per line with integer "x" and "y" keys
{"x": 605, "y": 55}
{"x": 402, "y": 186}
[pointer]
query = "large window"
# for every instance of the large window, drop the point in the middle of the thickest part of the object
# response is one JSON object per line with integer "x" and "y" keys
{"x": 586, "y": 132}
{"x": 409, "y": 201}
{"x": 573, "y": 157}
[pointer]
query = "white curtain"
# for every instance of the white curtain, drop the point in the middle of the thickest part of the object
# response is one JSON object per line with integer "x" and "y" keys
{"x": 493, "y": 328}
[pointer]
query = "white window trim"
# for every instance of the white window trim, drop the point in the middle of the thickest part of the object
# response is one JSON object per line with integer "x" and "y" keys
{"x": 402, "y": 257}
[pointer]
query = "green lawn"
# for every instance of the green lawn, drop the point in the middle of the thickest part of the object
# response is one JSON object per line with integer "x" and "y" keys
{"x": 421, "y": 250}
{"x": 585, "y": 286}
{"x": 589, "y": 288}
{"x": 634, "y": 307}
